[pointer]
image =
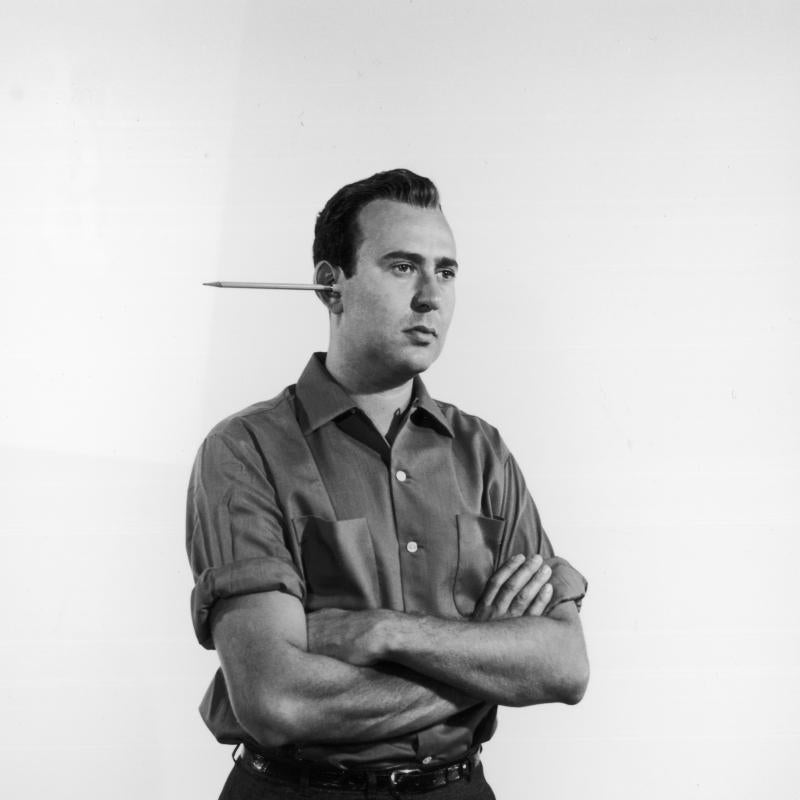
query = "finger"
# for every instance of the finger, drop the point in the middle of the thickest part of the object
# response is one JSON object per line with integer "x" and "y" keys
{"x": 527, "y": 594}
{"x": 511, "y": 588}
{"x": 537, "y": 607}
{"x": 498, "y": 579}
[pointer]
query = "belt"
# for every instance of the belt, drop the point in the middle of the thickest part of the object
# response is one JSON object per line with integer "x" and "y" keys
{"x": 407, "y": 779}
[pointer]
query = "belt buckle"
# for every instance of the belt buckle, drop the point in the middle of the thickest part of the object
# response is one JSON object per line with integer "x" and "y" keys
{"x": 399, "y": 774}
{"x": 260, "y": 763}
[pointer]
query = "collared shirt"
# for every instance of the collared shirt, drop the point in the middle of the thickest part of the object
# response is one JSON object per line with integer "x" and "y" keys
{"x": 302, "y": 494}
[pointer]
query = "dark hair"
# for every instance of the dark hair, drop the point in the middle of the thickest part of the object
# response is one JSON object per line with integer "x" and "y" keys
{"x": 337, "y": 235}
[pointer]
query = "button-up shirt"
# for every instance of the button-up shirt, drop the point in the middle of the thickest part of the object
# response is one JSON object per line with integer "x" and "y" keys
{"x": 302, "y": 494}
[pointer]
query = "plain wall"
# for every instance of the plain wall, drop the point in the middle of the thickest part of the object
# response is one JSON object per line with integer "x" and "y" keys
{"x": 622, "y": 181}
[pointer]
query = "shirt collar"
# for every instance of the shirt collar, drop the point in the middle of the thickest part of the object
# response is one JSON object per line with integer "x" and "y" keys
{"x": 322, "y": 399}
{"x": 424, "y": 402}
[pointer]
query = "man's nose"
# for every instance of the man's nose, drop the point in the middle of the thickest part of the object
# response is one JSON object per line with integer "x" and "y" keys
{"x": 427, "y": 296}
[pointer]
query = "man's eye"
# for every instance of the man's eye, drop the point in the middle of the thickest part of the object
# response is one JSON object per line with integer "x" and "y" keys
{"x": 447, "y": 273}
{"x": 403, "y": 266}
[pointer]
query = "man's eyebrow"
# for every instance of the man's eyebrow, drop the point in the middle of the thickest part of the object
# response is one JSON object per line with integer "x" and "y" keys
{"x": 416, "y": 258}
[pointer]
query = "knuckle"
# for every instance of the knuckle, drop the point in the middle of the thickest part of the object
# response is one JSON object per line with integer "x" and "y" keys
{"x": 511, "y": 590}
{"x": 503, "y": 596}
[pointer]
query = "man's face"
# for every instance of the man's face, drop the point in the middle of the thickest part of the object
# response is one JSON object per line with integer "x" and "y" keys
{"x": 397, "y": 306}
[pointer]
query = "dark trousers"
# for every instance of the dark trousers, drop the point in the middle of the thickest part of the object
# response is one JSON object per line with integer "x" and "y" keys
{"x": 245, "y": 784}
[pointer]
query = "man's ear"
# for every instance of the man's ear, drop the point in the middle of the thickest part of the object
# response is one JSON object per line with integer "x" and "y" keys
{"x": 329, "y": 275}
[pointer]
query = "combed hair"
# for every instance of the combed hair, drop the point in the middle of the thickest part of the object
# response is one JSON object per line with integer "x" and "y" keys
{"x": 337, "y": 235}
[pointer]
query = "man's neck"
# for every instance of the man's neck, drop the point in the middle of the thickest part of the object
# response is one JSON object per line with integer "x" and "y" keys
{"x": 379, "y": 401}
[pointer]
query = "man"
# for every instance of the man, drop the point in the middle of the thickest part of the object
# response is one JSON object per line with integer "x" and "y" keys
{"x": 369, "y": 564}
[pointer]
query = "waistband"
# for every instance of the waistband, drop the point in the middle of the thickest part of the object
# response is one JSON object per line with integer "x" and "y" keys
{"x": 408, "y": 779}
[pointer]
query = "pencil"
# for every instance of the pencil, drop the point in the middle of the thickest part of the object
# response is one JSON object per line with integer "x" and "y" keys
{"x": 312, "y": 287}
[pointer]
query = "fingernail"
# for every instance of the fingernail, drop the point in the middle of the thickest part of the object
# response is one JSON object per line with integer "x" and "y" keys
{"x": 518, "y": 558}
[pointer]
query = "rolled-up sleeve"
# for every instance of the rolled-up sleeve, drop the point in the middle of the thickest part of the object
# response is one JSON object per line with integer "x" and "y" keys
{"x": 524, "y": 534}
{"x": 236, "y": 534}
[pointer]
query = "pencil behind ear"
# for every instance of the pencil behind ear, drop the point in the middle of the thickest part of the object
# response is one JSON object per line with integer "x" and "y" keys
{"x": 329, "y": 275}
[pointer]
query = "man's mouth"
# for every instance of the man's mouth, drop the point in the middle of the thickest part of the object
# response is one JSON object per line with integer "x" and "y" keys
{"x": 422, "y": 329}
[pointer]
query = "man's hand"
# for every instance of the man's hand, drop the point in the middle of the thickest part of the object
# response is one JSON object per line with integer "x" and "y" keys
{"x": 351, "y": 636}
{"x": 518, "y": 588}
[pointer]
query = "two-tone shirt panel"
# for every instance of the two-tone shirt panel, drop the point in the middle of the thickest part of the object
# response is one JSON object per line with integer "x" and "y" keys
{"x": 402, "y": 515}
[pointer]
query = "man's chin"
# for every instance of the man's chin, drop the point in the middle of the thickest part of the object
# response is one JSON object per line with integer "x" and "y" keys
{"x": 419, "y": 359}
{"x": 398, "y": 366}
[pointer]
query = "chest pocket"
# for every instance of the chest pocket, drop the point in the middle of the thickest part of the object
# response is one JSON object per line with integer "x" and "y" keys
{"x": 478, "y": 545}
{"x": 338, "y": 562}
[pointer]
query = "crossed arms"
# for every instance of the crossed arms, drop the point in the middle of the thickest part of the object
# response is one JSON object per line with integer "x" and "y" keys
{"x": 336, "y": 676}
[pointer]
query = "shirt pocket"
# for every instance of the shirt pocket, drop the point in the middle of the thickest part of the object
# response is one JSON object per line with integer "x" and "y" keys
{"x": 478, "y": 545}
{"x": 338, "y": 562}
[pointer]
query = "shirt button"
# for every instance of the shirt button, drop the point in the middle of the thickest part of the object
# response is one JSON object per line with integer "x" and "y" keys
{"x": 412, "y": 547}
{"x": 427, "y": 759}
{"x": 400, "y": 475}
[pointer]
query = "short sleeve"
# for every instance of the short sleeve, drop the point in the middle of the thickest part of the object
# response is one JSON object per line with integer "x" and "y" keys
{"x": 524, "y": 534}
{"x": 236, "y": 537}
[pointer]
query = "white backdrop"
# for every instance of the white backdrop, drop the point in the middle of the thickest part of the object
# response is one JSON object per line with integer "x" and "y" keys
{"x": 622, "y": 180}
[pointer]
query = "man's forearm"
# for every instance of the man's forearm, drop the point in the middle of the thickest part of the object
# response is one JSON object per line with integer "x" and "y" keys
{"x": 519, "y": 661}
{"x": 339, "y": 702}
{"x": 281, "y": 693}
{"x": 515, "y": 662}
